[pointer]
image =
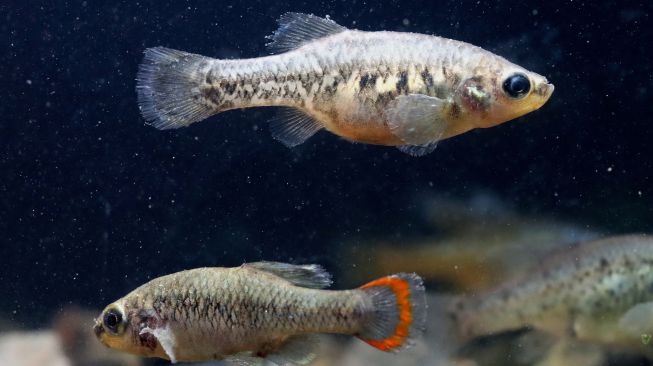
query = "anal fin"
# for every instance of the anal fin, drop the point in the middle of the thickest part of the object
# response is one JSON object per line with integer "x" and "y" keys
{"x": 418, "y": 150}
{"x": 292, "y": 126}
{"x": 296, "y": 350}
{"x": 307, "y": 275}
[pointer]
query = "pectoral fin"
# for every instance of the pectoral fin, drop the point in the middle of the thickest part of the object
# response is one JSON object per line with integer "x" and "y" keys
{"x": 166, "y": 339}
{"x": 417, "y": 119}
{"x": 638, "y": 320}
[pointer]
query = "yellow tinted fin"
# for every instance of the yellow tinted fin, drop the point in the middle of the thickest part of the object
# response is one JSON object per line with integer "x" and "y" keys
{"x": 297, "y": 29}
{"x": 306, "y": 275}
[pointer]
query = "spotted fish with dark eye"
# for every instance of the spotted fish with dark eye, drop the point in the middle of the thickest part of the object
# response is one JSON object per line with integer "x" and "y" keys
{"x": 386, "y": 88}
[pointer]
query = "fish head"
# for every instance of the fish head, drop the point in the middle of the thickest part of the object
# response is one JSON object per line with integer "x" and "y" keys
{"x": 499, "y": 91}
{"x": 120, "y": 328}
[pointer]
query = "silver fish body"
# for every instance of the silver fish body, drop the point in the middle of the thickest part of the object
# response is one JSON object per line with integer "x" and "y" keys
{"x": 388, "y": 88}
{"x": 259, "y": 310}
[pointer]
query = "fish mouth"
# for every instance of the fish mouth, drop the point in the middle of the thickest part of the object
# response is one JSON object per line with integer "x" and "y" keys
{"x": 544, "y": 90}
{"x": 98, "y": 329}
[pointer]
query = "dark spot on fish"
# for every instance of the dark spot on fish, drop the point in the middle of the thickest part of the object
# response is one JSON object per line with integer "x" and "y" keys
{"x": 209, "y": 77}
{"x": 402, "y": 83}
{"x": 228, "y": 87}
{"x": 367, "y": 81}
{"x": 345, "y": 73}
{"x": 604, "y": 263}
{"x": 427, "y": 78}
{"x": 213, "y": 94}
{"x": 363, "y": 81}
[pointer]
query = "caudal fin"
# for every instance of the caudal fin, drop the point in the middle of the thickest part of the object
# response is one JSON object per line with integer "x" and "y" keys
{"x": 399, "y": 314}
{"x": 168, "y": 88}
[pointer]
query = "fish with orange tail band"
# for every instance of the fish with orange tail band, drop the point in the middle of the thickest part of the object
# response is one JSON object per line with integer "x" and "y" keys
{"x": 259, "y": 311}
{"x": 386, "y": 88}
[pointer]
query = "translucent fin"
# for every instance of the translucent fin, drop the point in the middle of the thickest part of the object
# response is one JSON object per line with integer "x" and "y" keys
{"x": 638, "y": 320}
{"x": 297, "y": 29}
{"x": 166, "y": 339}
{"x": 167, "y": 88}
{"x": 245, "y": 359}
{"x": 307, "y": 275}
{"x": 532, "y": 346}
{"x": 399, "y": 312}
{"x": 418, "y": 150}
{"x": 417, "y": 119}
{"x": 569, "y": 352}
{"x": 297, "y": 350}
{"x": 292, "y": 126}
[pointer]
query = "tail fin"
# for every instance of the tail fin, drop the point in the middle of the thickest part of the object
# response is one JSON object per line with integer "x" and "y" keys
{"x": 168, "y": 88}
{"x": 399, "y": 312}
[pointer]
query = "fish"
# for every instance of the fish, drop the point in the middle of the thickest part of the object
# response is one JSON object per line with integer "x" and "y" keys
{"x": 385, "y": 88}
{"x": 261, "y": 310}
{"x": 473, "y": 244}
{"x": 600, "y": 292}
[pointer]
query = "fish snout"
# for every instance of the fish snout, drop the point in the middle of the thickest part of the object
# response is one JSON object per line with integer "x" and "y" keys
{"x": 98, "y": 329}
{"x": 545, "y": 89}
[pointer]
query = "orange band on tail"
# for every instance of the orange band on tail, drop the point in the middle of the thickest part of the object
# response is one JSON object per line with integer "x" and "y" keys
{"x": 401, "y": 289}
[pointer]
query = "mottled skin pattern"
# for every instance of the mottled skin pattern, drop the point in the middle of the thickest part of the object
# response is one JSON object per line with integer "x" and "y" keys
{"x": 346, "y": 80}
{"x": 581, "y": 293}
{"x": 215, "y": 312}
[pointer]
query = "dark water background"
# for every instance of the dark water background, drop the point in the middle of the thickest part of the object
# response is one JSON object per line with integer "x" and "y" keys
{"x": 93, "y": 202}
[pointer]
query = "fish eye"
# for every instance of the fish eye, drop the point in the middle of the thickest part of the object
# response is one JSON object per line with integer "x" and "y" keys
{"x": 517, "y": 86}
{"x": 112, "y": 321}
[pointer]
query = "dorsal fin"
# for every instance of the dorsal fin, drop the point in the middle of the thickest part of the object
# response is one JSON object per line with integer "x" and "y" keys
{"x": 306, "y": 275}
{"x": 297, "y": 29}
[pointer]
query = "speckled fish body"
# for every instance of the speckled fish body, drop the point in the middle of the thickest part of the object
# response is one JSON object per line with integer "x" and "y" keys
{"x": 598, "y": 292}
{"x": 257, "y": 310}
{"x": 387, "y": 88}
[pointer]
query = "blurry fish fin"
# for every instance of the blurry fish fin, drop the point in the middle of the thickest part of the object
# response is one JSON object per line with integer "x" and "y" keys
{"x": 166, "y": 339}
{"x": 569, "y": 352}
{"x": 418, "y": 150}
{"x": 297, "y": 29}
{"x": 292, "y": 126}
{"x": 297, "y": 350}
{"x": 490, "y": 349}
{"x": 532, "y": 346}
{"x": 244, "y": 359}
{"x": 167, "y": 85}
{"x": 637, "y": 321}
{"x": 399, "y": 314}
{"x": 306, "y": 275}
{"x": 417, "y": 119}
